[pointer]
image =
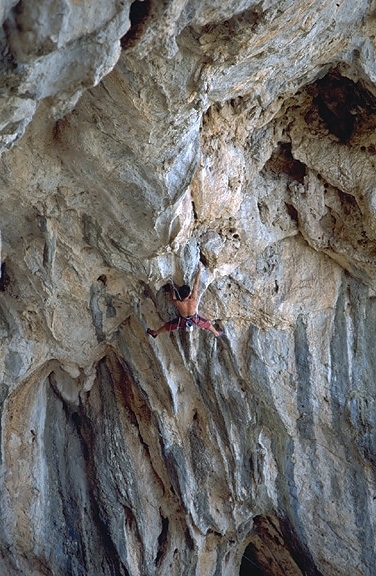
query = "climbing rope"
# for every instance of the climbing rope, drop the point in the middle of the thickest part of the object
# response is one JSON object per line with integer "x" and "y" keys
{"x": 176, "y": 290}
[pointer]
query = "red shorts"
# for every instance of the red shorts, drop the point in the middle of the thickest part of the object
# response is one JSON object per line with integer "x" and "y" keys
{"x": 196, "y": 319}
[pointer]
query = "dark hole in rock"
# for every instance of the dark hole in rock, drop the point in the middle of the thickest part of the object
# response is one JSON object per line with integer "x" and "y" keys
{"x": 138, "y": 15}
{"x": 292, "y": 212}
{"x": 342, "y": 103}
{"x": 4, "y": 278}
{"x": 162, "y": 540}
{"x": 76, "y": 419}
{"x": 263, "y": 211}
{"x": 248, "y": 567}
{"x": 276, "y": 550}
{"x": 282, "y": 161}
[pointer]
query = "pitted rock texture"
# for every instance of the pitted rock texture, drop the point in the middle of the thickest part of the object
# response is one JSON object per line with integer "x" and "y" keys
{"x": 138, "y": 139}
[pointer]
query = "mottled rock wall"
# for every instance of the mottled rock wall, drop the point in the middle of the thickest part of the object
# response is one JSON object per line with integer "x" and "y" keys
{"x": 239, "y": 133}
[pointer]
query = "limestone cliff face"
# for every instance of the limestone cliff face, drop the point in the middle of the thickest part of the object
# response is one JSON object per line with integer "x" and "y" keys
{"x": 139, "y": 138}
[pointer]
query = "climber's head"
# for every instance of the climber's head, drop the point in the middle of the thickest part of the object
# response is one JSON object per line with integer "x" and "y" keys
{"x": 184, "y": 292}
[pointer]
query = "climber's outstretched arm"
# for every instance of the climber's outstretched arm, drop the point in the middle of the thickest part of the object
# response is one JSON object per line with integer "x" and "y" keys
{"x": 194, "y": 294}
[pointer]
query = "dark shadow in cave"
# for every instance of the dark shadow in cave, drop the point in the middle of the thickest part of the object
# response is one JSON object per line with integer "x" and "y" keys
{"x": 248, "y": 567}
{"x": 275, "y": 550}
{"x": 138, "y": 15}
{"x": 341, "y": 103}
{"x": 282, "y": 161}
{"x": 4, "y": 278}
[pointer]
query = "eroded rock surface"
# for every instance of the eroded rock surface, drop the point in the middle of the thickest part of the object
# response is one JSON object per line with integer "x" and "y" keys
{"x": 241, "y": 134}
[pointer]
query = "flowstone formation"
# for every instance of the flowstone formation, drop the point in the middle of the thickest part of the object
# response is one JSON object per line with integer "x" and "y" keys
{"x": 139, "y": 138}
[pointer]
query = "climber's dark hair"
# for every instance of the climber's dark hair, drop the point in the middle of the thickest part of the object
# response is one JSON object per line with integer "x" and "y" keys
{"x": 184, "y": 291}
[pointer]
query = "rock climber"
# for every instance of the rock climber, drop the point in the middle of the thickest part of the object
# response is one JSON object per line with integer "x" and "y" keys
{"x": 186, "y": 303}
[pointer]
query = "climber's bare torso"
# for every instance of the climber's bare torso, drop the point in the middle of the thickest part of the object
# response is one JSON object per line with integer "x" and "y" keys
{"x": 186, "y": 307}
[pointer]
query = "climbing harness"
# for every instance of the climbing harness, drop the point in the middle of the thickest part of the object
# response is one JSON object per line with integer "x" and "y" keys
{"x": 188, "y": 323}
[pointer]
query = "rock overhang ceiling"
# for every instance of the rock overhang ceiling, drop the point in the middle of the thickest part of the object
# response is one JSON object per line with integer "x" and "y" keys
{"x": 238, "y": 133}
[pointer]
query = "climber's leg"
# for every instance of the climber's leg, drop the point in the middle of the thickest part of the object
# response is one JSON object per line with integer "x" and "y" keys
{"x": 206, "y": 325}
{"x": 168, "y": 327}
